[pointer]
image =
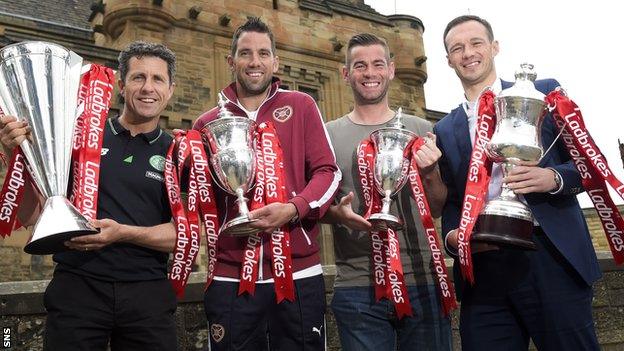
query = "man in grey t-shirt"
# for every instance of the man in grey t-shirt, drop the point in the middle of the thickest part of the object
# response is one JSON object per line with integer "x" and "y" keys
{"x": 364, "y": 324}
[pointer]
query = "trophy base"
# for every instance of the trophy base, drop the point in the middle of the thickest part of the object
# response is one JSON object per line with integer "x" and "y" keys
{"x": 239, "y": 226}
{"x": 504, "y": 231}
{"x": 59, "y": 222}
{"x": 54, "y": 243}
{"x": 383, "y": 221}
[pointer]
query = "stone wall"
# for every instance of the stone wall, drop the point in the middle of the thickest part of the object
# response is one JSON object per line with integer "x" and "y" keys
{"x": 21, "y": 310}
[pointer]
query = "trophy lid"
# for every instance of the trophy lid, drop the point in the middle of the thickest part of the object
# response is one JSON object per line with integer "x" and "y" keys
{"x": 223, "y": 111}
{"x": 524, "y": 86}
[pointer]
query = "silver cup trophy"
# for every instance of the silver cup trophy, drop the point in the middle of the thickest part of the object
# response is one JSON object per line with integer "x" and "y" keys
{"x": 39, "y": 84}
{"x": 233, "y": 159}
{"x": 391, "y": 168}
{"x": 520, "y": 112}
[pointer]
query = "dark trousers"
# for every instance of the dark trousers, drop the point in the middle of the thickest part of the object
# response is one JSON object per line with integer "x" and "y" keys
{"x": 527, "y": 294}
{"x": 86, "y": 313}
{"x": 257, "y": 323}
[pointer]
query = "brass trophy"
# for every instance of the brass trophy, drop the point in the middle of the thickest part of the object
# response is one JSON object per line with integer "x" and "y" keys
{"x": 520, "y": 111}
{"x": 232, "y": 155}
{"x": 391, "y": 168}
{"x": 39, "y": 83}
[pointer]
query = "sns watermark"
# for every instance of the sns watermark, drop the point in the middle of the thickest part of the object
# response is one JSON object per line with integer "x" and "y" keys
{"x": 7, "y": 338}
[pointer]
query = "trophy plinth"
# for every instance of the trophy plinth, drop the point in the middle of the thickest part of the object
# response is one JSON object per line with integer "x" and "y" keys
{"x": 520, "y": 112}
{"x": 233, "y": 160}
{"x": 39, "y": 84}
{"x": 506, "y": 223}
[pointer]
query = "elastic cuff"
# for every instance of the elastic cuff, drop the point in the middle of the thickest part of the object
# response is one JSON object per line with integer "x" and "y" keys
{"x": 303, "y": 208}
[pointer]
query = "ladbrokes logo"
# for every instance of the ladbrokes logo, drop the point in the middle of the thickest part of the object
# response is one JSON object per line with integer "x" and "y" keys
{"x": 279, "y": 259}
{"x": 363, "y": 174}
{"x": 608, "y": 217}
{"x": 250, "y": 259}
{"x": 282, "y": 114}
{"x": 584, "y": 140}
{"x": 16, "y": 181}
{"x": 477, "y": 160}
{"x": 379, "y": 263}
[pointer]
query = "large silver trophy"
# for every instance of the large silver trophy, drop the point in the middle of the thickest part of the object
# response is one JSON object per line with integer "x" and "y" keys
{"x": 520, "y": 111}
{"x": 233, "y": 159}
{"x": 39, "y": 84}
{"x": 391, "y": 168}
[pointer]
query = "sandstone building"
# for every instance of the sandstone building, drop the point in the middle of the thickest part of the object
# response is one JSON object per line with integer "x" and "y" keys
{"x": 311, "y": 36}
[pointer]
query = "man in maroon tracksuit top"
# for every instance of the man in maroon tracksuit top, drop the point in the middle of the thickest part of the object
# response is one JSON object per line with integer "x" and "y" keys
{"x": 258, "y": 322}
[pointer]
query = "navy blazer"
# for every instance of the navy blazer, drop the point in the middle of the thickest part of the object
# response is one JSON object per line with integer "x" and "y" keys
{"x": 559, "y": 215}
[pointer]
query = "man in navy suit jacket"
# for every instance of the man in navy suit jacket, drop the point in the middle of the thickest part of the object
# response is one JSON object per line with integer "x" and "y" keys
{"x": 543, "y": 295}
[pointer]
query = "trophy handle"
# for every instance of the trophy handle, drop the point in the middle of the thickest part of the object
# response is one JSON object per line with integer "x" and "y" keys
{"x": 552, "y": 144}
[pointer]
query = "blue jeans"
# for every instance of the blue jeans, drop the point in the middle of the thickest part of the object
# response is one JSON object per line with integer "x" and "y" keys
{"x": 364, "y": 324}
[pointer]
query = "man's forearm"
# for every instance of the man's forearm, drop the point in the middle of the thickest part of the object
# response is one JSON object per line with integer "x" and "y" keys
{"x": 160, "y": 237}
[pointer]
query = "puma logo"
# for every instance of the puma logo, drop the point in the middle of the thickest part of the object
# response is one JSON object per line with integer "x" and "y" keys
{"x": 317, "y": 330}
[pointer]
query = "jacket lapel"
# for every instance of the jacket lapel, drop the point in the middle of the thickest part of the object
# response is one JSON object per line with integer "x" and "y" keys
{"x": 462, "y": 137}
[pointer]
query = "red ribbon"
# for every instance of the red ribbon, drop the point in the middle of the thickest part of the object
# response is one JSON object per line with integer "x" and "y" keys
{"x": 593, "y": 168}
{"x": 372, "y": 203}
{"x": 12, "y": 193}
{"x": 201, "y": 201}
{"x": 95, "y": 92}
{"x": 479, "y": 172}
{"x": 445, "y": 287}
{"x": 270, "y": 188}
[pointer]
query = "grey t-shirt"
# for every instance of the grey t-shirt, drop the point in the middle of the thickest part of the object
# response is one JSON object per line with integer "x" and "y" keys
{"x": 352, "y": 248}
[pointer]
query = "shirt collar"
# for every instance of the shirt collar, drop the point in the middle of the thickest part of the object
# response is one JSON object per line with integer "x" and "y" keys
{"x": 149, "y": 137}
{"x": 468, "y": 106}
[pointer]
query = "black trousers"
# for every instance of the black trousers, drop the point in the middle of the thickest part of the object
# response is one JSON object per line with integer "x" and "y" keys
{"x": 520, "y": 295}
{"x": 257, "y": 323}
{"x": 86, "y": 313}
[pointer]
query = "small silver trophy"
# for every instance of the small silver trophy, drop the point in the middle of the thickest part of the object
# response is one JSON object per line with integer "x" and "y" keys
{"x": 520, "y": 112}
{"x": 233, "y": 159}
{"x": 39, "y": 84}
{"x": 391, "y": 168}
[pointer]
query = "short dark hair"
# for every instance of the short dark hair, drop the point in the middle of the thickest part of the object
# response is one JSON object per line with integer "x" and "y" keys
{"x": 365, "y": 39}
{"x": 467, "y": 18}
{"x": 139, "y": 49}
{"x": 253, "y": 24}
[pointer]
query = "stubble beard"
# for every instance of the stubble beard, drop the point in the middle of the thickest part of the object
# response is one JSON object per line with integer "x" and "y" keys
{"x": 251, "y": 91}
{"x": 362, "y": 100}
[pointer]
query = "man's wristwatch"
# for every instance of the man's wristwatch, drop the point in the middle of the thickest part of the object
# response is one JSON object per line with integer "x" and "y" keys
{"x": 558, "y": 181}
